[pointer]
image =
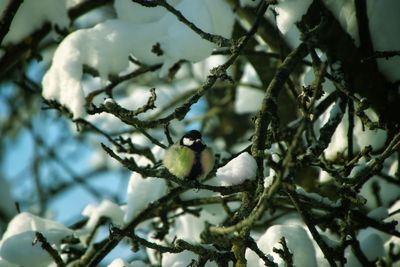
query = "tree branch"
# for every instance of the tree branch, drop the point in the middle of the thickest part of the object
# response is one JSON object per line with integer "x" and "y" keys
{"x": 7, "y": 17}
{"x": 217, "y": 39}
{"x": 47, "y": 247}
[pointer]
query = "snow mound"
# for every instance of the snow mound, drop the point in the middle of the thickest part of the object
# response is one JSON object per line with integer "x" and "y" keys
{"x": 16, "y": 245}
{"x": 237, "y": 170}
{"x": 160, "y": 38}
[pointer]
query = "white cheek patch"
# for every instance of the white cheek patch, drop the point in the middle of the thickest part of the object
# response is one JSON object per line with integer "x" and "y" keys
{"x": 187, "y": 142}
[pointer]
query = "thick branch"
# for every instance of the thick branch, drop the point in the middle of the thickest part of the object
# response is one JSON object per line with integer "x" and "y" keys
{"x": 269, "y": 107}
{"x": 8, "y": 16}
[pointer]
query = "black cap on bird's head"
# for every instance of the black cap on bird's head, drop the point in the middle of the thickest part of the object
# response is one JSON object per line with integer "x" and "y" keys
{"x": 192, "y": 139}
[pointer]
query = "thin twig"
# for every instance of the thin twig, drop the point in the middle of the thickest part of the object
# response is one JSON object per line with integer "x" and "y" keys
{"x": 217, "y": 39}
{"x": 47, "y": 247}
{"x": 108, "y": 89}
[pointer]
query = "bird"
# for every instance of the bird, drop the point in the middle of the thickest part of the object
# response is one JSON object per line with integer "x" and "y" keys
{"x": 190, "y": 158}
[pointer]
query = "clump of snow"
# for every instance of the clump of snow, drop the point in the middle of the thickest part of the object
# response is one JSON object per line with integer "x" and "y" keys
{"x": 106, "y": 46}
{"x": 358, "y": 169}
{"x": 31, "y": 16}
{"x": 382, "y": 17}
{"x": 236, "y": 171}
{"x": 16, "y": 244}
{"x": 107, "y": 209}
{"x": 248, "y": 99}
{"x": 138, "y": 14}
{"x": 4, "y": 263}
{"x": 317, "y": 197}
{"x": 121, "y": 263}
{"x": 297, "y": 241}
{"x": 268, "y": 180}
{"x": 378, "y": 214}
{"x": 345, "y": 13}
{"x": 142, "y": 192}
{"x": 395, "y": 242}
{"x": 388, "y": 192}
{"x": 383, "y": 20}
{"x": 330, "y": 240}
{"x": 189, "y": 228}
{"x": 108, "y": 102}
{"x": 371, "y": 245}
{"x": 181, "y": 259}
{"x": 290, "y": 12}
{"x": 362, "y": 136}
{"x": 138, "y": 96}
{"x": 395, "y": 214}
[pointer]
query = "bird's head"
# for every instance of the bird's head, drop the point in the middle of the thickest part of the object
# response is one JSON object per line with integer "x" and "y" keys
{"x": 192, "y": 140}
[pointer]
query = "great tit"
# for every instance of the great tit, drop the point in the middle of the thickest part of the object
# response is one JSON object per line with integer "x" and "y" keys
{"x": 190, "y": 158}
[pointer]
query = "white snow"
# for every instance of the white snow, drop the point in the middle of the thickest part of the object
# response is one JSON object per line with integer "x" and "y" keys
{"x": 142, "y": 192}
{"x": 202, "y": 69}
{"x": 16, "y": 244}
{"x": 189, "y": 227}
{"x": 317, "y": 197}
{"x": 378, "y": 214}
{"x": 248, "y": 99}
{"x": 236, "y": 171}
{"x": 138, "y": 14}
{"x": 106, "y": 46}
{"x": 361, "y": 137}
{"x": 385, "y": 33}
{"x": 345, "y": 13}
{"x": 358, "y": 169}
{"x": 388, "y": 191}
{"x": 121, "y": 263}
{"x": 268, "y": 180}
{"x": 394, "y": 240}
{"x": 182, "y": 259}
{"x": 108, "y": 102}
{"x": 136, "y": 97}
{"x": 290, "y": 12}
{"x": 395, "y": 216}
{"x": 31, "y": 16}
{"x": 4, "y": 263}
{"x": 297, "y": 241}
{"x": 383, "y": 23}
{"x": 371, "y": 245}
{"x": 107, "y": 209}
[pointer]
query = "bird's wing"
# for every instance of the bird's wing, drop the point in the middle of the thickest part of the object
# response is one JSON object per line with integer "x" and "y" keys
{"x": 178, "y": 160}
{"x": 207, "y": 161}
